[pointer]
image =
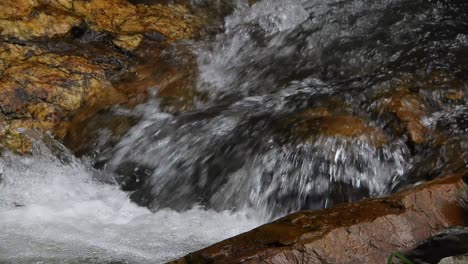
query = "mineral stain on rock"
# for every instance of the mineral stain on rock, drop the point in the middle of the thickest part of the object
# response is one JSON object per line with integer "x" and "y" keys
{"x": 58, "y": 57}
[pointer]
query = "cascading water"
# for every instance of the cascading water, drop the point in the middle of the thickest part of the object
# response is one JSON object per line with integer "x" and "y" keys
{"x": 244, "y": 154}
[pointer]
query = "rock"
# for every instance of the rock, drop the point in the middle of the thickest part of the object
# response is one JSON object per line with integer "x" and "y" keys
{"x": 173, "y": 80}
{"x": 412, "y": 98}
{"x": 367, "y": 231}
{"x": 447, "y": 151}
{"x": 11, "y": 9}
{"x": 128, "y": 42}
{"x": 451, "y": 242}
{"x": 45, "y": 23}
{"x": 409, "y": 109}
{"x": 39, "y": 88}
{"x": 65, "y": 82}
{"x": 92, "y": 133}
{"x": 28, "y": 19}
{"x": 330, "y": 121}
{"x": 56, "y": 61}
{"x": 463, "y": 259}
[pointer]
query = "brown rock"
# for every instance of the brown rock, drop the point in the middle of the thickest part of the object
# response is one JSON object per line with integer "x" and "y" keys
{"x": 322, "y": 121}
{"x": 32, "y": 19}
{"x": 51, "y": 78}
{"x": 39, "y": 88}
{"x": 362, "y": 232}
{"x": 410, "y": 109}
{"x": 45, "y": 23}
{"x": 128, "y": 42}
{"x": 173, "y": 81}
{"x": 64, "y": 82}
{"x": 16, "y": 9}
{"x": 412, "y": 97}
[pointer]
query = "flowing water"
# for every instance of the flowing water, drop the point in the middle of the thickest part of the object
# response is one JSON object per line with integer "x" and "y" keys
{"x": 306, "y": 104}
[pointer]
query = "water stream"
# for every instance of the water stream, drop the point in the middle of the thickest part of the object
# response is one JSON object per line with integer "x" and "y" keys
{"x": 295, "y": 117}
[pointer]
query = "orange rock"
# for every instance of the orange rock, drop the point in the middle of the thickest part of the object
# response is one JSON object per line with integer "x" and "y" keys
{"x": 12, "y": 9}
{"x": 38, "y": 89}
{"x": 122, "y": 17}
{"x": 410, "y": 109}
{"x": 321, "y": 121}
{"x": 42, "y": 88}
{"x": 46, "y": 23}
{"x": 363, "y": 232}
{"x": 33, "y": 19}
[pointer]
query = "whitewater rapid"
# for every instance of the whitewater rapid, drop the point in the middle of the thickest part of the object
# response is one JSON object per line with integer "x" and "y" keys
{"x": 58, "y": 211}
{"x": 232, "y": 162}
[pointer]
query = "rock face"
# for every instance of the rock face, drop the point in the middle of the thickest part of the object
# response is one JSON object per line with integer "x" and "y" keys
{"x": 60, "y": 56}
{"x": 452, "y": 242}
{"x": 363, "y": 232}
{"x": 40, "y": 87}
{"x": 31, "y": 19}
{"x": 463, "y": 259}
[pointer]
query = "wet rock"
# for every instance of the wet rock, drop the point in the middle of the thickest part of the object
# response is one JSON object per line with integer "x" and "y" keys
{"x": 172, "y": 79}
{"x": 410, "y": 109}
{"x": 128, "y": 42}
{"x": 39, "y": 23}
{"x": 463, "y": 259}
{"x": 367, "y": 231}
{"x": 39, "y": 88}
{"x": 332, "y": 120}
{"x": 412, "y": 98}
{"x": 29, "y": 20}
{"x": 16, "y": 9}
{"x": 447, "y": 150}
{"x": 65, "y": 82}
{"x": 451, "y": 242}
{"x": 62, "y": 58}
{"x": 94, "y": 132}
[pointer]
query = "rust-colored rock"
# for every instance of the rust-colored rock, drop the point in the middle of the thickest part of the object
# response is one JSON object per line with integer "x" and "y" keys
{"x": 410, "y": 109}
{"x": 38, "y": 88}
{"x": 49, "y": 72}
{"x": 362, "y": 232}
{"x": 174, "y": 81}
{"x": 44, "y": 23}
{"x": 15, "y": 8}
{"x": 331, "y": 121}
{"x": 33, "y": 19}
{"x": 412, "y": 98}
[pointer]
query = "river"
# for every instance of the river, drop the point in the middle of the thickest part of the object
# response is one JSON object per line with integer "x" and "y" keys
{"x": 295, "y": 116}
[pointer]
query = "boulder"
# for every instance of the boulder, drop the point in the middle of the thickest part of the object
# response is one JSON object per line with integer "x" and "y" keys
{"x": 462, "y": 259}
{"x": 330, "y": 117}
{"x": 63, "y": 58}
{"x": 126, "y": 22}
{"x": 451, "y": 242}
{"x": 367, "y": 231}
{"x": 38, "y": 88}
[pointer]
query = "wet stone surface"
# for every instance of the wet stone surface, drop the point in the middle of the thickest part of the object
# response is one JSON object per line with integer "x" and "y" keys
{"x": 284, "y": 106}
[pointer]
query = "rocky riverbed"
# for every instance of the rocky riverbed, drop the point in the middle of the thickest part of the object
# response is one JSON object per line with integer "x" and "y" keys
{"x": 224, "y": 110}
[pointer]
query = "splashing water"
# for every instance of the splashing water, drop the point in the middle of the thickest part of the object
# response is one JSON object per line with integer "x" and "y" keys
{"x": 53, "y": 211}
{"x": 263, "y": 142}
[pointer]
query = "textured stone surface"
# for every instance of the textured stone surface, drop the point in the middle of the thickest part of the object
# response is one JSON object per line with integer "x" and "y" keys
{"x": 331, "y": 118}
{"x": 28, "y": 19}
{"x": 451, "y": 242}
{"x": 455, "y": 260}
{"x": 362, "y": 232}
{"x": 59, "y": 58}
{"x": 38, "y": 88}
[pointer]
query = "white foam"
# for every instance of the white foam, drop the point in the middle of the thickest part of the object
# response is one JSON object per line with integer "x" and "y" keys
{"x": 56, "y": 213}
